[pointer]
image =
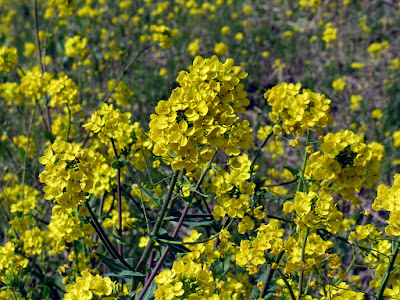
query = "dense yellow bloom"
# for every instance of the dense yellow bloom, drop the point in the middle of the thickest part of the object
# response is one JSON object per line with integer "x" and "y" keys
{"x": 64, "y": 228}
{"x": 200, "y": 115}
{"x": 90, "y": 287}
{"x": 9, "y": 261}
{"x": 357, "y": 65}
{"x": 111, "y": 208}
{"x": 355, "y": 101}
{"x": 33, "y": 84}
{"x": 193, "y": 47}
{"x": 63, "y": 91}
{"x": 163, "y": 35}
{"x": 68, "y": 174}
{"x": 339, "y": 84}
{"x": 330, "y": 33}
{"x": 315, "y": 210}
{"x": 388, "y": 199}
{"x": 75, "y": 46}
{"x": 377, "y": 49}
{"x": 11, "y": 93}
{"x": 225, "y": 30}
{"x": 122, "y": 93}
{"x": 297, "y": 111}
{"x": 21, "y": 141}
{"x": 109, "y": 123}
{"x": 186, "y": 280}
{"x": 396, "y": 138}
{"x": 8, "y": 59}
{"x": 220, "y": 48}
{"x": 59, "y": 127}
{"x": 347, "y": 162}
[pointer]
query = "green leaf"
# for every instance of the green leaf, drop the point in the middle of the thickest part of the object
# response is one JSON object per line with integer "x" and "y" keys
{"x": 49, "y": 136}
{"x": 149, "y": 195}
{"x": 221, "y": 267}
{"x": 294, "y": 171}
{"x": 174, "y": 248}
{"x": 150, "y": 291}
{"x": 114, "y": 265}
{"x": 117, "y": 164}
{"x": 198, "y": 223}
{"x": 22, "y": 155}
{"x": 125, "y": 273}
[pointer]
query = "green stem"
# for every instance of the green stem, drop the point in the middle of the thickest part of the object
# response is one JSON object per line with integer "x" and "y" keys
{"x": 303, "y": 249}
{"x": 270, "y": 273}
{"x": 287, "y": 284}
{"x": 69, "y": 123}
{"x": 157, "y": 226}
{"x": 385, "y": 278}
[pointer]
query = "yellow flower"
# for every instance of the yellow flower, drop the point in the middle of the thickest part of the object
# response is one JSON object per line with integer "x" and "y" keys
{"x": 220, "y": 48}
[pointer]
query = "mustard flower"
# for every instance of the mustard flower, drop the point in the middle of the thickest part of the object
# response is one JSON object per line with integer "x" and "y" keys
{"x": 193, "y": 47}
{"x": 8, "y": 59}
{"x": 109, "y": 123}
{"x": 348, "y": 162}
{"x": 201, "y": 115}
{"x": 339, "y": 84}
{"x": 225, "y": 30}
{"x": 220, "y": 48}
{"x": 330, "y": 33}
{"x": 63, "y": 91}
{"x": 75, "y": 46}
{"x": 163, "y": 35}
{"x": 298, "y": 111}
{"x": 68, "y": 174}
{"x": 377, "y": 49}
{"x": 122, "y": 93}
{"x": 89, "y": 286}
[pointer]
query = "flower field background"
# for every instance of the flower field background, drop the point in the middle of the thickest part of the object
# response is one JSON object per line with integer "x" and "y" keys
{"x": 199, "y": 150}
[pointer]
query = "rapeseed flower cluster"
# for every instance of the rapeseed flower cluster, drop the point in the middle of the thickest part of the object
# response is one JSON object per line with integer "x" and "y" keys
{"x": 347, "y": 162}
{"x": 297, "y": 111}
{"x": 8, "y": 59}
{"x": 109, "y": 123}
{"x": 91, "y": 287}
{"x": 68, "y": 174}
{"x": 200, "y": 116}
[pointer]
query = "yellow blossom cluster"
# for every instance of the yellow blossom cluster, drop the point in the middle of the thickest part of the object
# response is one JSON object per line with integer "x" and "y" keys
{"x": 297, "y": 111}
{"x": 65, "y": 227}
{"x": 232, "y": 189}
{"x": 62, "y": 91}
{"x": 75, "y": 46}
{"x": 11, "y": 93}
{"x": 21, "y": 141}
{"x": 251, "y": 253}
{"x": 377, "y": 49}
{"x": 110, "y": 208}
{"x": 200, "y": 116}
{"x": 315, "y": 249}
{"x": 10, "y": 261}
{"x": 389, "y": 199}
{"x": 187, "y": 280}
{"x": 314, "y": 210}
{"x": 163, "y": 35}
{"x": 122, "y": 93}
{"x": 89, "y": 287}
{"x": 8, "y": 58}
{"x": 275, "y": 147}
{"x": 347, "y": 162}
{"x": 109, "y": 123}
{"x": 330, "y": 33}
{"x": 33, "y": 84}
{"x": 68, "y": 174}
